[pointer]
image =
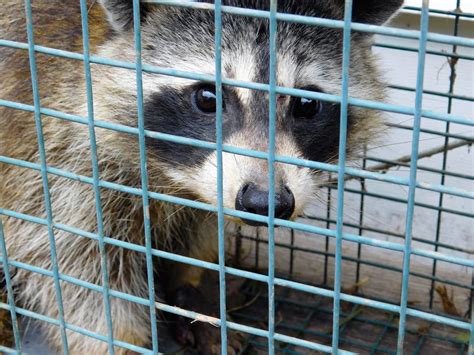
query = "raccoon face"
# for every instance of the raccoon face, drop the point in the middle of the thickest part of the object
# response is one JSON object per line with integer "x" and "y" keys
{"x": 308, "y": 58}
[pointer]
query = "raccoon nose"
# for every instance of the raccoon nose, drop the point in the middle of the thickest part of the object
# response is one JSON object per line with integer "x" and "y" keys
{"x": 251, "y": 199}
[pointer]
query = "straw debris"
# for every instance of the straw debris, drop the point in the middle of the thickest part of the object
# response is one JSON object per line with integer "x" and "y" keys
{"x": 447, "y": 300}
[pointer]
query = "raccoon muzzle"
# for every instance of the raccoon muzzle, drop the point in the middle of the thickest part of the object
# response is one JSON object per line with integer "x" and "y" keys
{"x": 253, "y": 199}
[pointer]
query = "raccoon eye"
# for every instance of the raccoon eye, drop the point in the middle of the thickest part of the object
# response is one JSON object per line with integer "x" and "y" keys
{"x": 205, "y": 98}
{"x": 306, "y": 108}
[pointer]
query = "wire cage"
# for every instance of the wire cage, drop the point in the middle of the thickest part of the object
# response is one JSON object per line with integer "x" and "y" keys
{"x": 379, "y": 283}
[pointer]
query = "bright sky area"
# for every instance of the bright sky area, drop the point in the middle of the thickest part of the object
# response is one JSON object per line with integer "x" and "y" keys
{"x": 466, "y": 5}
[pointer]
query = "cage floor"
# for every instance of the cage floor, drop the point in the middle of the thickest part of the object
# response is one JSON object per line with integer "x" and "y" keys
{"x": 362, "y": 329}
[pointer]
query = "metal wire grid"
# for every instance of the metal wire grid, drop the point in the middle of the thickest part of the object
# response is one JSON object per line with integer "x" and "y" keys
{"x": 362, "y": 330}
{"x": 337, "y": 296}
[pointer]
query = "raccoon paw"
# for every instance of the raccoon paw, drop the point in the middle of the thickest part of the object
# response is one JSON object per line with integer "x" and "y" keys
{"x": 208, "y": 341}
{"x": 204, "y": 337}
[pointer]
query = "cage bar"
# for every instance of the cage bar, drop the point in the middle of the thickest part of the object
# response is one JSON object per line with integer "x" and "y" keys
{"x": 144, "y": 175}
{"x": 445, "y": 145}
{"x": 413, "y": 170}
{"x": 44, "y": 175}
{"x": 346, "y": 55}
{"x": 271, "y": 175}
{"x": 220, "y": 176}
{"x": 96, "y": 177}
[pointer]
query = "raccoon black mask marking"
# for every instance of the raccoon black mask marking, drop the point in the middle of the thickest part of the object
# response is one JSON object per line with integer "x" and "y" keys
{"x": 314, "y": 124}
{"x": 309, "y": 57}
{"x": 175, "y": 111}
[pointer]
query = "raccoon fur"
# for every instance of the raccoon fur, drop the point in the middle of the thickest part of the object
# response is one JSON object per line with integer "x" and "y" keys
{"x": 308, "y": 57}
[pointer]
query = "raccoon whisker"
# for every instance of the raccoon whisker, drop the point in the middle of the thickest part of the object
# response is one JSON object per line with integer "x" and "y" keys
{"x": 404, "y": 121}
{"x": 208, "y": 216}
{"x": 174, "y": 213}
{"x": 333, "y": 208}
{"x": 354, "y": 212}
{"x": 315, "y": 204}
{"x": 368, "y": 217}
{"x": 404, "y": 142}
{"x": 91, "y": 6}
{"x": 238, "y": 165}
{"x": 351, "y": 213}
{"x": 168, "y": 189}
{"x": 401, "y": 187}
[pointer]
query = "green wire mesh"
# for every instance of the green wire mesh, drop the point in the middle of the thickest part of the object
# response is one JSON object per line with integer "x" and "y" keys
{"x": 281, "y": 313}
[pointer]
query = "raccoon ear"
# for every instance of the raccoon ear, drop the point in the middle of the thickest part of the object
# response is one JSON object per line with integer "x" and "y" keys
{"x": 120, "y": 13}
{"x": 374, "y": 12}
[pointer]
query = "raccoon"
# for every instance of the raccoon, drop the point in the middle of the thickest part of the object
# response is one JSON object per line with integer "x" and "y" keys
{"x": 308, "y": 57}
